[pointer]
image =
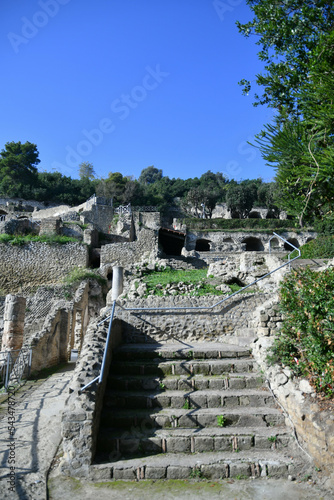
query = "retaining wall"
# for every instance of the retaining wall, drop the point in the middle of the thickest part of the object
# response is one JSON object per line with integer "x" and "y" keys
{"x": 37, "y": 264}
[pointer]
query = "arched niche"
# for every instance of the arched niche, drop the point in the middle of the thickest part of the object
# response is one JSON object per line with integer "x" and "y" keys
{"x": 253, "y": 244}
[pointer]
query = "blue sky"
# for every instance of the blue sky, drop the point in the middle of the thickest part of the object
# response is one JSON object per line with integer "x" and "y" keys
{"x": 125, "y": 84}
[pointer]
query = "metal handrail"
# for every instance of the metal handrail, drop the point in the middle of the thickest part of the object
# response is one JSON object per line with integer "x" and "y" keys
{"x": 191, "y": 308}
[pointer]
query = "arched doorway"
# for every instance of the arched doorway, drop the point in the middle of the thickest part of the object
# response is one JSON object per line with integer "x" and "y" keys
{"x": 253, "y": 244}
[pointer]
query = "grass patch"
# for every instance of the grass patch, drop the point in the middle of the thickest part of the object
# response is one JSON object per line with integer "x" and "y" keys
{"x": 156, "y": 282}
{"x": 79, "y": 274}
{"x": 19, "y": 240}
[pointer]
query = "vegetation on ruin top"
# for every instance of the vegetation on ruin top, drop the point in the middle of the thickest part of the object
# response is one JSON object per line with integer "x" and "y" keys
{"x": 14, "y": 239}
{"x": 158, "y": 281}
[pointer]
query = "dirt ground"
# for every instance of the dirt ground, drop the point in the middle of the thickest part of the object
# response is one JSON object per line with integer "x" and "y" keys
{"x": 61, "y": 488}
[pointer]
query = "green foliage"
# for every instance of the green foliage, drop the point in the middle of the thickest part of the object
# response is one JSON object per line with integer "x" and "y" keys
{"x": 24, "y": 240}
{"x": 240, "y": 199}
{"x": 86, "y": 170}
{"x": 18, "y": 168}
{"x": 240, "y": 224}
{"x": 286, "y": 32}
{"x": 306, "y": 341}
{"x": 320, "y": 248}
{"x": 187, "y": 405}
{"x": 80, "y": 274}
{"x": 221, "y": 420}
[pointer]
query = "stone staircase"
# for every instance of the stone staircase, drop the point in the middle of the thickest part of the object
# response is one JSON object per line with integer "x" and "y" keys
{"x": 177, "y": 411}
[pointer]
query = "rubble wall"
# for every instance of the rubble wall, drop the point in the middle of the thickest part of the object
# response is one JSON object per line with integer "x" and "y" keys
{"x": 37, "y": 264}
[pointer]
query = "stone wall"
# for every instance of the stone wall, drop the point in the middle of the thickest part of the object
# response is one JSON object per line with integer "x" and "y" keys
{"x": 229, "y": 241}
{"x": 222, "y": 324}
{"x": 37, "y": 264}
{"x": 99, "y": 215}
{"x": 125, "y": 254}
{"x": 64, "y": 327}
{"x": 81, "y": 417}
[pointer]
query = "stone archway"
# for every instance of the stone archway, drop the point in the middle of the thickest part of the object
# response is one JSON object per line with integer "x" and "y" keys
{"x": 293, "y": 242}
{"x": 202, "y": 245}
{"x": 253, "y": 244}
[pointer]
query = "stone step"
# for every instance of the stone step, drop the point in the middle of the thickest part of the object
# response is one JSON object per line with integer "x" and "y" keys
{"x": 190, "y": 399}
{"x": 118, "y": 444}
{"x": 176, "y": 367}
{"x": 240, "y": 416}
{"x": 180, "y": 351}
{"x": 213, "y": 466}
{"x": 184, "y": 383}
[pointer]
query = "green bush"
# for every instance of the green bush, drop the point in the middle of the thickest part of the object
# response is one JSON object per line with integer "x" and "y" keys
{"x": 241, "y": 224}
{"x": 13, "y": 239}
{"x": 320, "y": 248}
{"x": 306, "y": 341}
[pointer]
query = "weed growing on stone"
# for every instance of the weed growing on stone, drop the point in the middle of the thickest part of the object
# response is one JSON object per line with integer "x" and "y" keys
{"x": 187, "y": 405}
{"x": 273, "y": 439}
{"x": 221, "y": 420}
{"x": 196, "y": 474}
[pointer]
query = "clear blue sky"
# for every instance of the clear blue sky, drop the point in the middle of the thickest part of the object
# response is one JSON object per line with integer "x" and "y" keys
{"x": 125, "y": 84}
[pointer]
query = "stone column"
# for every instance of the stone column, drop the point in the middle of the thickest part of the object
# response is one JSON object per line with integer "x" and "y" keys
{"x": 117, "y": 282}
{"x": 14, "y": 314}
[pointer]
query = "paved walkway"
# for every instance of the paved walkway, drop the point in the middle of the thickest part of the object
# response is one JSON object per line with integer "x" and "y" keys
{"x": 30, "y": 436}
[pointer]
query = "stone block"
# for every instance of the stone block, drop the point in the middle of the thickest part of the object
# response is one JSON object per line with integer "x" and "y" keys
{"x": 178, "y": 445}
{"x": 204, "y": 444}
{"x": 155, "y": 472}
{"x": 214, "y": 471}
{"x": 240, "y": 469}
{"x": 121, "y": 474}
{"x": 178, "y": 472}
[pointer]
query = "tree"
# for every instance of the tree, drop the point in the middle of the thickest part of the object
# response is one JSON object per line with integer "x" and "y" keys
{"x": 18, "y": 168}
{"x": 240, "y": 199}
{"x": 150, "y": 175}
{"x": 302, "y": 149}
{"x": 86, "y": 170}
{"x": 288, "y": 31}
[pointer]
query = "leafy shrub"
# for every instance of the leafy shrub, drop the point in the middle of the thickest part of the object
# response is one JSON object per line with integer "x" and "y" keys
{"x": 320, "y": 248}
{"x": 306, "y": 341}
{"x": 13, "y": 239}
{"x": 261, "y": 225}
{"x": 325, "y": 226}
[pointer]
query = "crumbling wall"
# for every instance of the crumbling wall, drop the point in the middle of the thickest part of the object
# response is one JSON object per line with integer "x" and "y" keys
{"x": 64, "y": 327}
{"x": 37, "y": 264}
{"x": 221, "y": 324}
{"x": 125, "y": 254}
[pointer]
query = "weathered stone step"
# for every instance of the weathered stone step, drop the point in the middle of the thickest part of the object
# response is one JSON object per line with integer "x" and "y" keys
{"x": 194, "y": 418}
{"x": 219, "y": 465}
{"x": 191, "y": 441}
{"x": 177, "y": 367}
{"x": 180, "y": 351}
{"x": 185, "y": 383}
{"x": 190, "y": 399}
